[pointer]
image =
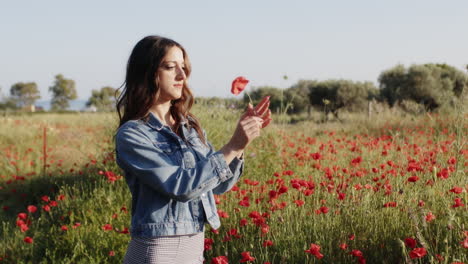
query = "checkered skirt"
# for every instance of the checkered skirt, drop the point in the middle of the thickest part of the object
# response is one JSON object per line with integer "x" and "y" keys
{"x": 184, "y": 249}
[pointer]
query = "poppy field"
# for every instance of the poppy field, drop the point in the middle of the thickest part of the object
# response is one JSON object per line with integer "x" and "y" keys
{"x": 386, "y": 189}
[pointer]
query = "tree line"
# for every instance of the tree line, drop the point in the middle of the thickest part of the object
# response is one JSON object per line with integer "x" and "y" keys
{"x": 430, "y": 86}
{"x": 25, "y": 94}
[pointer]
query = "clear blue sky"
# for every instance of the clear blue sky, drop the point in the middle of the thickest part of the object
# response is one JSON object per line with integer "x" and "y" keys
{"x": 90, "y": 41}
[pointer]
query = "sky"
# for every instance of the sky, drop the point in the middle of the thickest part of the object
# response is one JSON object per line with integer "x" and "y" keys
{"x": 90, "y": 41}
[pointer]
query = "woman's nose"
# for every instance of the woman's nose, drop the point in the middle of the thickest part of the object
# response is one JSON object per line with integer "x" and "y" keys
{"x": 180, "y": 73}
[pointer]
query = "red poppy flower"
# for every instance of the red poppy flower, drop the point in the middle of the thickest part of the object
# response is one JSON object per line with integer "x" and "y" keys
{"x": 418, "y": 253}
{"x": 220, "y": 260}
{"x": 32, "y": 208}
{"x": 356, "y": 253}
{"x": 456, "y": 190}
{"x": 267, "y": 243}
{"x": 315, "y": 250}
{"x": 107, "y": 227}
{"x": 208, "y": 244}
{"x": 246, "y": 257}
{"x": 28, "y": 240}
{"x": 410, "y": 242}
{"x": 430, "y": 217}
{"x": 238, "y": 85}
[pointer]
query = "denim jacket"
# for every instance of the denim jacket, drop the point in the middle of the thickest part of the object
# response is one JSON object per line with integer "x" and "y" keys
{"x": 172, "y": 181}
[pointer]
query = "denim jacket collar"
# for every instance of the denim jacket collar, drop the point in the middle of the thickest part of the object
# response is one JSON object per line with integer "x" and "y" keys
{"x": 155, "y": 123}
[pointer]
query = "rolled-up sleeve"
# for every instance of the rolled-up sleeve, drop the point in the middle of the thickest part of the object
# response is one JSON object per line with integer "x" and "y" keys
{"x": 137, "y": 155}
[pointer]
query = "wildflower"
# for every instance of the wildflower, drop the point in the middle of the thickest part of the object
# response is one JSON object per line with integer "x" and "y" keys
{"x": 413, "y": 179}
{"x": 46, "y": 208}
{"x": 238, "y": 85}
{"x": 410, "y": 242}
{"x": 464, "y": 243}
{"x": 356, "y": 253}
{"x": 267, "y": 243}
{"x": 458, "y": 203}
{"x": 456, "y": 190}
{"x": 314, "y": 250}
{"x": 222, "y": 214}
{"x": 32, "y": 208}
{"x": 208, "y": 244}
{"x": 220, "y": 260}
{"x": 107, "y": 227}
{"x": 111, "y": 253}
{"x": 246, "y": 257}
{"x": 28, "y": 240}
{"x": 64, "y": 228}
{"x": 22, "y": 216}
{"x": 324, "y": 209}
{"x": 429, "y": 217}
{"x": 299, "y": 202}
{"x": 418, "y": 253}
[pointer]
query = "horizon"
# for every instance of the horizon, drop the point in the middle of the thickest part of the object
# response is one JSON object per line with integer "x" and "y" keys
{"x": 90, "y": 42}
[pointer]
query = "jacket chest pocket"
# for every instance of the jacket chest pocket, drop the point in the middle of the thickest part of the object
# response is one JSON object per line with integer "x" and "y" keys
{"x": 198, "y": 146}
{"x": 169, "y": 150}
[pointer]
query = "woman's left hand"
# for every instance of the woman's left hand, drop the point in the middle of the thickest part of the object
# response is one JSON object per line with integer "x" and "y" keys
{"x": 261, "y": 110}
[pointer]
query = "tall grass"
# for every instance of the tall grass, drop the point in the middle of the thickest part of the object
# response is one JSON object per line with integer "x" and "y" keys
{"x": 88, "y": 223}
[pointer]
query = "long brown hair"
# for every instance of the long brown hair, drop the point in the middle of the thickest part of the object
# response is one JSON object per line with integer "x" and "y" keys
{"x": 140, "y": 88}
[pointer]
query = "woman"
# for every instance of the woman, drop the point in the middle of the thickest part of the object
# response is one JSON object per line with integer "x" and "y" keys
{"x": 170, "y": 168}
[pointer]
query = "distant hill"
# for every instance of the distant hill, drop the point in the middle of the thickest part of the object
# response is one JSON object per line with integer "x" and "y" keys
{"x": 76, "y": 105}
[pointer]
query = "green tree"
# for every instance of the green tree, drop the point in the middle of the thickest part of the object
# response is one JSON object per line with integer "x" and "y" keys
{"x": 104, "y": 99}
{"x": 24, "y": 94}
{"x": 63, "y": 91}
{"x": 298, "y": 97}
{"x": 431, "y": 85}
{"x": 333, "y": 95}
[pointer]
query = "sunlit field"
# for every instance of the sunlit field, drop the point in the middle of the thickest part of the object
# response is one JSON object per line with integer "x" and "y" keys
{"x": 391, "y": 188}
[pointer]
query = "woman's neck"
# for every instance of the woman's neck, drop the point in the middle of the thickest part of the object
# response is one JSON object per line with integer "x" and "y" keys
{"x": 161, "y": 111}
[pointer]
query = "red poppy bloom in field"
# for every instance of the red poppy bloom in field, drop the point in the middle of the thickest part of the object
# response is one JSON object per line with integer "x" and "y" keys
{"x": 314, "y": 250}
{"x": 418, "y": 253}
{"x": 464, "y": 243}
{"x": 410, "y": 242}
{"x": 458, "y": 203}
{"x": 222, "y": 214}
{"x": 64, "y": 228}
{"x": 356, "y": 253}
{"x": 324, "y": 209}
{"x": 267, "y": 243}
{"x": 24, "y": 228}
{"x": 299, "y": 202}
{"x": 456, "y": 190}
{"x": 246, "y": 257}
{"x": 22, "y": 216}
{"x": 32, "y": 208}
{"x": 238, "y": 85}
{"x": 46, "y": 208}
{"x": 429, "y": 217}
{"x": 220, "y": 260}
{"x": 413, "y": 179}
{"x": 28, "y": 240}
{"x": 107, "y": 227}
{"x": 208, "y": 244}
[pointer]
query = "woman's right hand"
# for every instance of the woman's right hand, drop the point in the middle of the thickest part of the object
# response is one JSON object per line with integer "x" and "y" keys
{"x": 248, "y": 128}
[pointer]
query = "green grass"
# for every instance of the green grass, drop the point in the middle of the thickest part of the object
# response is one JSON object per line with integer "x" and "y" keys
{"x": 79, "y": 146}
